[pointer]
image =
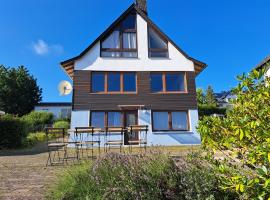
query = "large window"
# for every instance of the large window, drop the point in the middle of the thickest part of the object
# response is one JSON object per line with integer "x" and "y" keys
{"x": 157, "y": 45}
{"x": 100, "y": 119}
{"x": 113, "y": 82}
{"x": 168, "y": 82}
{"x": 169, "y": 121}
{"x": 122, "y": 41}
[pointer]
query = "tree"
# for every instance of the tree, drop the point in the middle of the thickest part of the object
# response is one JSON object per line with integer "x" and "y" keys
{"x": 200, "y": 96}
{"x": 19, "y": 92}
{"x": 243, "y": 138}
{"x": 210, "y": 99}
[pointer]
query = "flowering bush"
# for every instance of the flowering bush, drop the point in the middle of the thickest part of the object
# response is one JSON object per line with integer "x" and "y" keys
{"x": 155, "y": 176}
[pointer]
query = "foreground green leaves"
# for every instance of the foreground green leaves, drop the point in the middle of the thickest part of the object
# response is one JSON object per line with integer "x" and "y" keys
{"x": 243, "y": 138}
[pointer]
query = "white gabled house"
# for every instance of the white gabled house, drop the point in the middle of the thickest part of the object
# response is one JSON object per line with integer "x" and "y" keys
{"x": 133, "y": 73}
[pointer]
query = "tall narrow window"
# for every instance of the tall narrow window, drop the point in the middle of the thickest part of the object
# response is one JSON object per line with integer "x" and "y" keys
{"x": 98, "y": 119}
{"x": 114, "y": 119}
{"x": 156, "y": 82}
{"x": 158, "y": 47}
{"x": 122, "y": 41}
{"x": 98, "y": 82}
{"x": 129, "y": 82}
{"x": 168, "y": 82}
{"x": 114, "y": 82}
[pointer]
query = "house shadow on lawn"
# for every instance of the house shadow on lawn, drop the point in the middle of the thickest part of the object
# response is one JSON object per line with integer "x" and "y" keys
{"x": 37, "y": 149}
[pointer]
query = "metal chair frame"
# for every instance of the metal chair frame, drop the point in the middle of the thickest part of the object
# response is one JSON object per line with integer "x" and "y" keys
{"x": 82, "y": 140}
{"x": 58, "y": 143}
{"x": 110, "y": 131}
{"x": 142, "y": 134}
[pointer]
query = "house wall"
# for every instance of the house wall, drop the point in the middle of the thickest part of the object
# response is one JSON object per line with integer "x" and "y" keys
{"x": 175, "y": 62}
{"x": 174, "y": 138}
{"x": 84, "y": 100}
{"x": 268, "y": 73}
{"x": 56, "y": 110}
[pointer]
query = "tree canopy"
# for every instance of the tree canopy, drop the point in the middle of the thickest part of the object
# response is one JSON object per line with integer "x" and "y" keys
{"x": 19, "y": 92}
{"x": 243, "y": 137}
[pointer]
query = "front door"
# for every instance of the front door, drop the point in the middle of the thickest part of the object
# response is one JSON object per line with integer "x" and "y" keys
{"x": 130, "y": 118}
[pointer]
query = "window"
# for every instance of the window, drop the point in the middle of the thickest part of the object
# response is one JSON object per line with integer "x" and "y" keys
{"x": 98, "y": 79}
{"x": 122, "y": 42}
{"x": 175, "y": 82}
{"x": 97, "y": 119}
{"x": 114, "y": 82}
{"x": 156, "y": 82}
{"x": 168, "y": 82}
{"x": 114, "y": 119}
{"x": 158, "y": 47}
{"x": 129, "y": 81}
{"x": 101, "y": 119}
{"x": 169, "y": 121}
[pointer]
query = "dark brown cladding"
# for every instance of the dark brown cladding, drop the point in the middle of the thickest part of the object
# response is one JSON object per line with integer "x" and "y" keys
{"x": 84, "y": 100}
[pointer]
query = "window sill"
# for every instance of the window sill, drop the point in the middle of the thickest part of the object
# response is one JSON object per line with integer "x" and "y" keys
{"x": 169, "y": 92}
{"x": 173, "y": 132}
{"x": 114, "y": 93}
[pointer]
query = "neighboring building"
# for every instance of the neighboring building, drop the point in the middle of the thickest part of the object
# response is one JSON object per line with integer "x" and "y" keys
{"x": 223, "y": 99}
{"x": 265, "y": 64}
{"x": 59, "y": 110}
{"x": 2, "y": 113}
{"x": 135, "y": 74}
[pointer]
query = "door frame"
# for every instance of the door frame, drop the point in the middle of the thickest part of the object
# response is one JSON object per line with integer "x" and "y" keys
{"x": 125, "y": 113}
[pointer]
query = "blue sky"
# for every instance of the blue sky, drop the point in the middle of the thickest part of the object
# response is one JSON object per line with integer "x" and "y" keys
{"x": 231, "y": 36}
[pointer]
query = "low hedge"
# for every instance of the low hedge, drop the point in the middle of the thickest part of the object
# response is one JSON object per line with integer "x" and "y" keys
{"x": 13, "y": 130}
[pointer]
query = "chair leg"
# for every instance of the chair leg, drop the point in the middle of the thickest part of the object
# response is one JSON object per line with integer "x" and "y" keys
{"x": 49, "y": 158}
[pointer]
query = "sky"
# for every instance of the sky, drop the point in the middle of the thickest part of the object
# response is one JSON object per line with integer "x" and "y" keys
{"x": 231, "y": 36}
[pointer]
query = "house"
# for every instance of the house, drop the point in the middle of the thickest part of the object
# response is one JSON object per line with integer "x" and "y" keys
{"x": 265, "y": 64}
{"x": 2, "y": 113}
{"x": 224, "y": 99}
{"x": 59, "y": 109}
{"x": 133, "y": 73}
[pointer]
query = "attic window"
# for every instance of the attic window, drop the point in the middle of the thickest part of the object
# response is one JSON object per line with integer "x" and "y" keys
{"x": 158, "y": 46}
{"x": 122, "y": 41}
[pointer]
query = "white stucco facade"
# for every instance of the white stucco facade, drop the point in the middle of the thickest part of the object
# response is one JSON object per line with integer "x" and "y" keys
{"x": 172, "y": 138}
{"x": 176, "y": 61}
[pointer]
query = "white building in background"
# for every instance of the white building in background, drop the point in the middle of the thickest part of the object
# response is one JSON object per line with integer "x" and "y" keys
{"x": 265, "y": 64}
{"x": 59, "y": 109}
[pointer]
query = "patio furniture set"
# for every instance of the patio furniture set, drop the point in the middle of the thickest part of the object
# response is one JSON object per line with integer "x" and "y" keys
{"x": 86, "y": 140}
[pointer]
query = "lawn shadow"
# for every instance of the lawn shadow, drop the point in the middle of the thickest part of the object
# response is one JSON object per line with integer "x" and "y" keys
{"x": 37, "y": 149}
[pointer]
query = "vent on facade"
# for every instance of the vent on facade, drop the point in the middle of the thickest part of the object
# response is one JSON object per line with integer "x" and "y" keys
{"x": 142, "y": 5}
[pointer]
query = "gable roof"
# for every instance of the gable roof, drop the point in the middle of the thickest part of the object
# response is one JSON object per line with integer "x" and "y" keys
{"x": 263, "y": 63}
{"x": 68, "y": 65}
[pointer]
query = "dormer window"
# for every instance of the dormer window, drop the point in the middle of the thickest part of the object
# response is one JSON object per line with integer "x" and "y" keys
{"x": 157, "y": 45}
{"x": 122, "y": 41}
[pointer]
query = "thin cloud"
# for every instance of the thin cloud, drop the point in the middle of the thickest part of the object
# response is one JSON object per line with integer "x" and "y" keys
{"x": 41, "y": 48}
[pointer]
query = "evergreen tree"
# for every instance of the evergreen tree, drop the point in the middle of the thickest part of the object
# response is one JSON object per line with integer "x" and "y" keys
{"x": 19, "y": 92}
{"x": 210, "y": 99}
{"x": 200, "y": 96}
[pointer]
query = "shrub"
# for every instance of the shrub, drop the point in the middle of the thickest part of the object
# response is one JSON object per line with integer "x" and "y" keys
{"x": 36, "y": 121}
{"x": 34, "y": 138}
{"x": 205, "y": 110}
{"x": 243, "y": 137}
{"x": 156, "y": 176}
{"x": 61, "y": 124}
{"x": 12, "y": 131}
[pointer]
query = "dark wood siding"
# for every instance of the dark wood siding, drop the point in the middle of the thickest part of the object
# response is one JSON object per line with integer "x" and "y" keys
{"x": 84, "y": 100}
